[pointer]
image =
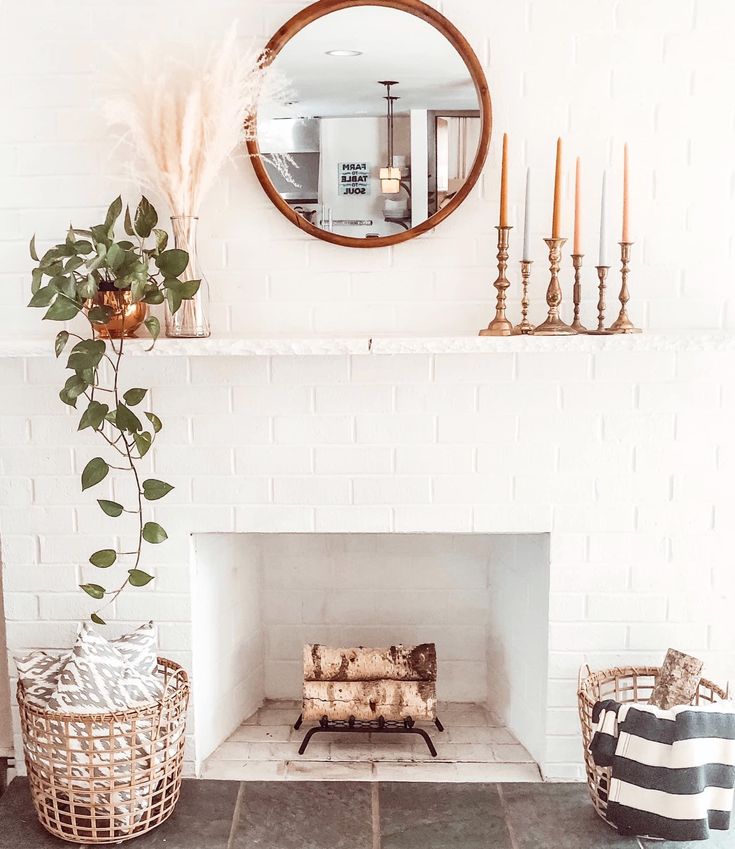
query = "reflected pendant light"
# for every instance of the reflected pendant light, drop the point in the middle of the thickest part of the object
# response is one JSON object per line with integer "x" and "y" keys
{"x": 390, "y": 176}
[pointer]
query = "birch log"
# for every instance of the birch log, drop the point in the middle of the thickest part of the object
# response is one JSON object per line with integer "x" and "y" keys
{"x": 397, "y": 663}
{"x": 368, "y": 700}
{"x": 678, "y": 680}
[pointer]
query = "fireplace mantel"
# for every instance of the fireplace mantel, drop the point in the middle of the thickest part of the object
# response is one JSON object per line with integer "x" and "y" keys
{"x": 219, "y": 346}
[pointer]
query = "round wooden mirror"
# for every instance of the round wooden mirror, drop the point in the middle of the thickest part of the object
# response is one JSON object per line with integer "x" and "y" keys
{"x": 385, "y": 128}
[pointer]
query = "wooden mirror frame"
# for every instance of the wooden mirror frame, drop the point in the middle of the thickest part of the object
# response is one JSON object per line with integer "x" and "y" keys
{"x": 457, "y": 40}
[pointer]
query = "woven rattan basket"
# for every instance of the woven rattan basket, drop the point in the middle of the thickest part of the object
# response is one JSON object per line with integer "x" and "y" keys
{"x": 107, "y": 777}
{"x": 623, "y": 684}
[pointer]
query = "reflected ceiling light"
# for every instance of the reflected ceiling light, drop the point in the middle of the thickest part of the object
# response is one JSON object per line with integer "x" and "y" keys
{"x": 344, "y": 52}
{"x": 390, "y": 176}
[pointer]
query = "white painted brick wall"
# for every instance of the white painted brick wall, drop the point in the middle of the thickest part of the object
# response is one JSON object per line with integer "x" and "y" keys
{"x": 635, "y": 500}
{"x": 597, "y": 73}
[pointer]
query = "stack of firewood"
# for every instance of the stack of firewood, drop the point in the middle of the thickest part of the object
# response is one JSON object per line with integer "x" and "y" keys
{"x": 366, "y": 683}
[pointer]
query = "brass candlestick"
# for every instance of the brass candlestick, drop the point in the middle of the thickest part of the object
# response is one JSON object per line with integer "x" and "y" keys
{"x": 602, "y": 277}
{"x": 577, "y": 292}
{"x": 554, "y": 326}
{"x": 500, "y": 326}
{"x": 524, "y": 327}
{"x": 622, "y": 323}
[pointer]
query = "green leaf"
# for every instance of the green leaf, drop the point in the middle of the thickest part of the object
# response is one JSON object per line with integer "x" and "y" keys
{"x": 154, "y": 533}
{"x": 62, "y": 337}
{"x": 43, "y": 296}
{"x": 179, "y": 290}
{"x": 67, "y": 399}
{"x": 161, "y": 240}
{"x": 104, "y": 558}
{"x": 100, "y": 314}
{"x": 155, "y": 421}
{"x": 138, "y": 289}
{"x": 174, "y": 298}
{"x": 65, "y": 285}
{"x": 154, "y": 489}
{"x": 113, "y": 213}
{"x": 95, "y": 590}
{"x": 115, "y": 257}
{"x": 75, "y": 386}
{"x": 154, "y": 326}
{"x": 146, "y": 218}
{"x": 110, "y": 508}
{"x": 125, "y": 419}
{"x": 153, "y": 296}
{"x": 83, "y": 246}
{"x": 139, "y": 578}
{"x": 36, "y": 278}
{"x": 93, "y": 416}
{"x": 172, "y": 262}
{"x": 143, "y": 442}
{"x": 99, "y": 260}
{"x": 127, "y": 223}
{"x": 94, "y": 472}
{"x": 32, "y": 248}
{"x": 62, "y": 309}
{"x": 98, "y": 620}
{"x": 101, "y": 235}
{"x": 88, "y": 288}
{"x": 134, "y": 396}
{"x": 86, "y": 354}
{"x": 73, "y": 263}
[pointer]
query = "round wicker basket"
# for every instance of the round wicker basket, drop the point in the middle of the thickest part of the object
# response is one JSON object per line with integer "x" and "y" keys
{"x": 99, "y": 778}
{"x": 623, "y": 684}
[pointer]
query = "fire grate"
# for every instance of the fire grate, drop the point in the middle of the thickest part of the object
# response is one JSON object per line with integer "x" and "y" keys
{"x": 367, "y": 726}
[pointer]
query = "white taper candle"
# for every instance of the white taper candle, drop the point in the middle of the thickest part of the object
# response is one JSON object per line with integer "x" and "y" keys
{"x": 603, "y": 222}
{"x": 527, "y": 219}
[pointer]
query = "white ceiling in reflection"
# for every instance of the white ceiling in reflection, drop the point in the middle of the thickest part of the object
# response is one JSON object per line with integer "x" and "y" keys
{"x": 393, "y": 44}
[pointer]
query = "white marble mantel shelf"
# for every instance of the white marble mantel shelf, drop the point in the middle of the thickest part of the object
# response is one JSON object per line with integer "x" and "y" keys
{"x": 225, "y": 346}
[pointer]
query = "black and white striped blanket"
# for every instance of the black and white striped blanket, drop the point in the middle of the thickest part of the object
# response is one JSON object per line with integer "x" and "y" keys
{"x": 673, "y": 771}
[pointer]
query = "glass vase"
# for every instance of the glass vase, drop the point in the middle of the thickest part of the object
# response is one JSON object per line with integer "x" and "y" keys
{"x": 191, "y": 320}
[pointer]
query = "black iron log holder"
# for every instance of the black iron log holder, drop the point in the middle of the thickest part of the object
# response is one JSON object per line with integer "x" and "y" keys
{"x": 367, "y": 726}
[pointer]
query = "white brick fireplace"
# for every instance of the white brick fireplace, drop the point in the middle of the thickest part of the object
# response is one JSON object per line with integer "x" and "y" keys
{"x": 616, "y": 452}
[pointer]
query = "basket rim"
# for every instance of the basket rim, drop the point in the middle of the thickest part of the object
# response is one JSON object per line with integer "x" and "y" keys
{"x": 611, "y": 673}
{"x": 153, "y": 708}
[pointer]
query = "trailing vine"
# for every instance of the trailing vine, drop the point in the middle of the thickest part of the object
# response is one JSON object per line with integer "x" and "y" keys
{"x": 65, "y": 281}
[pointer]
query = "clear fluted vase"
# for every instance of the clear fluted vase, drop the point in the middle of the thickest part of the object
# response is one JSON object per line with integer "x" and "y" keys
{"x": 191, "y": 320}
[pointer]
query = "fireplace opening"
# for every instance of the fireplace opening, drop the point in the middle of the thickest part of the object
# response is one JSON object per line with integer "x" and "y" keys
{"x": 258, "y": 598}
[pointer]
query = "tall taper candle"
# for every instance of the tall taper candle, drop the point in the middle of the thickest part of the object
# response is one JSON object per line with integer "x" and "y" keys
{"x": 626, "y": 230}
{"x": 556, "y": 221}
{"x": 504, "y": 184}
{"x": 603, "y": 261}
{"x": 527, "y": 219}
{"x": 577, "y": 212}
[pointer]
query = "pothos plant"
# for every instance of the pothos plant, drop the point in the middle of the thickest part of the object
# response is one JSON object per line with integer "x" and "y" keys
{"x": 65, "y": 282}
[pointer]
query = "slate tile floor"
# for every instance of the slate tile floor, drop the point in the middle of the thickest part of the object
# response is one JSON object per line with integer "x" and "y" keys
{"x": 362, "y": 815}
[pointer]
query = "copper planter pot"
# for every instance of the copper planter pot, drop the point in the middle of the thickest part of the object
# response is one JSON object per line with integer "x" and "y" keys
{"x": 128, "y": 315}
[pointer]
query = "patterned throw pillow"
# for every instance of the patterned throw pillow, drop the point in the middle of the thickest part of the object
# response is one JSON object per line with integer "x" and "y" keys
{"x": 140, "y": 649}
{"x": 98, "y": 679}
{"x": 39, "y": 671}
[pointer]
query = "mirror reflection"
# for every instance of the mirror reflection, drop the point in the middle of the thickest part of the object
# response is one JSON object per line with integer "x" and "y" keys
{"x": 382, "y": 125}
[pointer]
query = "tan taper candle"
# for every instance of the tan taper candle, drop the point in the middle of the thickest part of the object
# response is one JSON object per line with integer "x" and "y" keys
{"x": 504, "y": 184}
